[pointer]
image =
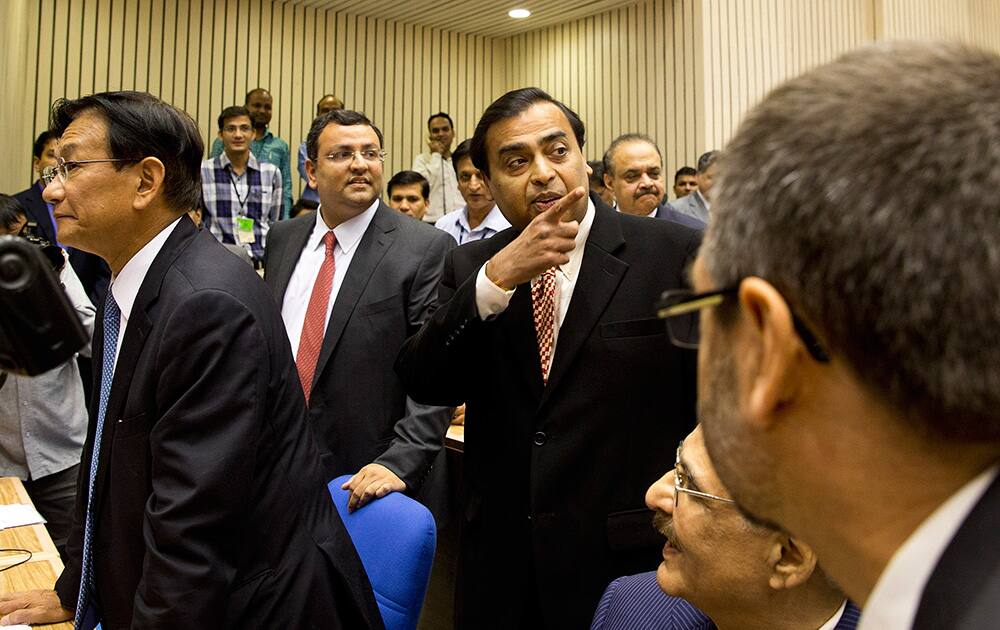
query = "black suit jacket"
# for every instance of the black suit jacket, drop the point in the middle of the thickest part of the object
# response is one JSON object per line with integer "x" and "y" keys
{"x": 963, "y": 592}
{"x": 211, "y": 505}
{"x": 555, "y": 476}
{"x": 358, "y": 407}
{"x": 93, "y": 272}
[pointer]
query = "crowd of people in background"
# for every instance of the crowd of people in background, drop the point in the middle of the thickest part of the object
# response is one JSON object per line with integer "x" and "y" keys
{"x": 795, "y": 419}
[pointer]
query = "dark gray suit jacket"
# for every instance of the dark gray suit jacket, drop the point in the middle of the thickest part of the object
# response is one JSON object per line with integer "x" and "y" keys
{"x": 964, "y": 589}
{"x": 358, "y": 407}
{"x": 691, "y": 205}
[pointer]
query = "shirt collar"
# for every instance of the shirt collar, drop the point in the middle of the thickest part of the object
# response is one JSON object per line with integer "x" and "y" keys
{"x": 572, "y": 268}
{"x": 225, "y": 162}
{"x": 652, "y": 214}
{"x": 831, "y": 623}
{"x": 894, "y": 601}
{"x": 494, "y": 220}
{"x": 703, "y": 200}
{"x": 348, "y": 233}
{"x": 125, "y": 286}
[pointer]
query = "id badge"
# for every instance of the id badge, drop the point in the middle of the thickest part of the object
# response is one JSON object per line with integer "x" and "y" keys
{"x": 244, "y": 230}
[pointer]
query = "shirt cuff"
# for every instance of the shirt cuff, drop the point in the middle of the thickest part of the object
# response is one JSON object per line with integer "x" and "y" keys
{"x": 491, "y": 300}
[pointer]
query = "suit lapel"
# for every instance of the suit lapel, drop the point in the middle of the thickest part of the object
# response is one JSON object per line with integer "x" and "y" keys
{"x": 136, "y": 332}
{"x": 600, "y": 274}
{"x": 373, "y": 246}
{"x": 523, "y": 340}
{"x": 289, "y": 256}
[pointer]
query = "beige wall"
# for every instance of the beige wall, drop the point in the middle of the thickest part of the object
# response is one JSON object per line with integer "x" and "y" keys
{"x": 682, "y": 71}
{"x": 177, "y": 49}
{"x": 627, "y": 70}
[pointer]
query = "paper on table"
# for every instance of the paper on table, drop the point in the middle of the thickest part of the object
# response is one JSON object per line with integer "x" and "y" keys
{"x": 17, "y": 514}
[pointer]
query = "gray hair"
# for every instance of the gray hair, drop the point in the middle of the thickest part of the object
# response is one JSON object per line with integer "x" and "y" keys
{"x": 867, "y": 191}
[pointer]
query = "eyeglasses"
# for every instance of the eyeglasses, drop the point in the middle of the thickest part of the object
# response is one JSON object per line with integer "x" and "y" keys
{"x": 235, "y": 128}
{"x": 680, "y": 481}
{"x": 63, "y": 168}
{"x": 681, "y": 310}
{"x": 368, "y": 155}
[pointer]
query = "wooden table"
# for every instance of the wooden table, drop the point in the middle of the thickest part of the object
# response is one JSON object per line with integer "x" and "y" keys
{"x": 455, "y": 438}
{"x": 45, "y": 565}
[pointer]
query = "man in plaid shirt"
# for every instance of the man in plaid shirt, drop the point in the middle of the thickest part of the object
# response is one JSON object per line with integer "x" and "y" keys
{"x": 241, "y": 195}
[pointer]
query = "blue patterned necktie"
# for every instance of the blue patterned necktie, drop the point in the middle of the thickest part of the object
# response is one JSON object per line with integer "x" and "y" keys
{"x": 85, "y": 603}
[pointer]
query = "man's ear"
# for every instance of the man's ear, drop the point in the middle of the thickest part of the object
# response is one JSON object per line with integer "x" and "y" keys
{"x": 311, "y": 173}
{"x": 151, "y": 174}
{"x": 777, "y": 352}
{"x": 791, "y": 561}
{"x": 607, "y": 180}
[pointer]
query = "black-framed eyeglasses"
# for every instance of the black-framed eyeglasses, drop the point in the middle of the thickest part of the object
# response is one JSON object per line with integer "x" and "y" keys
{"x": 681, "y": 310}
{"x": 63, "y": 168}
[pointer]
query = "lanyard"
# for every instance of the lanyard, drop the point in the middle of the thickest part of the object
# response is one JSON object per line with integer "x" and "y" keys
{"x": 243, "y": 201}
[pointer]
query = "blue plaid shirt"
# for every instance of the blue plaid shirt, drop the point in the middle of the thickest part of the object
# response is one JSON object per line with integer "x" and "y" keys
{"x": 261, "y": 194}
{"x": 273, "y": 150}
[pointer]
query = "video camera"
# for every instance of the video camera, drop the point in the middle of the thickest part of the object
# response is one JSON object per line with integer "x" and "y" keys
{"x": 39, "y": 330}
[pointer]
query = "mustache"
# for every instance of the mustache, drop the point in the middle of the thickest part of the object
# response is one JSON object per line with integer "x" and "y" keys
{"x": 665, "y": 526}
{"x": 646, "y": 191}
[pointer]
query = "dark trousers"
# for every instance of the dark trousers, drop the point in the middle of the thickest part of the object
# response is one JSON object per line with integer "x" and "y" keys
{"x": 54, "y": 497}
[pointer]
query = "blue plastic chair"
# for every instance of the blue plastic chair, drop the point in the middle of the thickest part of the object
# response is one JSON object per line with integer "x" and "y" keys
{"x": 395, "y": 537}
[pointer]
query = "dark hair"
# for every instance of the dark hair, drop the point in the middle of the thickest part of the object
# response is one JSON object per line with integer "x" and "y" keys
{"x": 303, "y": 205}
{"x": 608, "y": 158}
{"x": 597, "y": 172}
{"x": 684, "y": 170}
{"x": 508, "y": 106}
{"x": 461, "y": 151}
{"x": 140, "y": 126}
{"x": 326, "y": 96}
{"x": 440, "y": 115}
{"x": 706, "y": 160}
{"x": 257, "y": 90}
{"x": 405, "y": 178}
{"x": 892, "y": 265}
{"x": 342, "y": 117}
{"x": 39, "y": 147}
{"x": 234, "y": 111}
{"x": 11, "y": 212}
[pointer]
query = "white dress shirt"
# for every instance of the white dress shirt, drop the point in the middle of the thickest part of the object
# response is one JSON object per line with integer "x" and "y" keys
{"x": 440, "y": 173}
{"x": 491, "y": 300}
{"x": 894, "y": 601}
{"x": 300, "y": 285}
{"x": 125, "y": 286}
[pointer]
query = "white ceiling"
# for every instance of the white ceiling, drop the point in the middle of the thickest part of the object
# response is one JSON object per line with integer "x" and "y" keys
{"x": 481, "y": 17}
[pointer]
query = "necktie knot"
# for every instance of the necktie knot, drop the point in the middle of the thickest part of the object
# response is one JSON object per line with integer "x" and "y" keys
{"x": 329, "y": 240}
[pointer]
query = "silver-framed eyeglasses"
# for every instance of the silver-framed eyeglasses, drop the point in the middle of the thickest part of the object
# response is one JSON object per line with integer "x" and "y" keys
{"x": 681, "y": 481}
{"x": 63, "y": 168}
{"x": 346, "y": 155}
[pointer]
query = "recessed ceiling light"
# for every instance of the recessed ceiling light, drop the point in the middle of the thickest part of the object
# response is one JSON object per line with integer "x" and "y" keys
{"x": 519, "y": 14}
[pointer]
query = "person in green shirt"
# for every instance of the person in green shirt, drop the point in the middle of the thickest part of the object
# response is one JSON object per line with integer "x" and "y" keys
{"x": 266, "y": 146}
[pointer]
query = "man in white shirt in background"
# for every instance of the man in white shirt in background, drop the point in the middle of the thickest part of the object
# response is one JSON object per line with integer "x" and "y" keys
{"x": 849, "y": 386}
{"x": 480, "y": 217}
{"x": 436, "y": 166}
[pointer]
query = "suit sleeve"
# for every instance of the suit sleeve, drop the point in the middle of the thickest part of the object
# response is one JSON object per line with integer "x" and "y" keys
{"x": 202, "y": 461}
{"x": 435, "y": 362}
{"x": 419, "y": 435}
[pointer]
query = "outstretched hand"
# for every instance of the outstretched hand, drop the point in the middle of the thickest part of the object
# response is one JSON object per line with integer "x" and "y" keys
{"x": 545, "y": 243}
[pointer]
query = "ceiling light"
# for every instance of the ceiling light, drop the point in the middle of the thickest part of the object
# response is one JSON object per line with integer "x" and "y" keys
{"x": 519, "y": 14}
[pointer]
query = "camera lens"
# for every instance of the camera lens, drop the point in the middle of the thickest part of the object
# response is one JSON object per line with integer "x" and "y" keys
{"x": 13, "y": 271}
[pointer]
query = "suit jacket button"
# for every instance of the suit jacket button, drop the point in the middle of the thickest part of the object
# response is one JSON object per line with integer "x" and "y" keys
{"x": 540, "y": 439}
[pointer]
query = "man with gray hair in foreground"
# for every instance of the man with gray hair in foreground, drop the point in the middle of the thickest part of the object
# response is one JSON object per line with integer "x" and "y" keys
{"x": 849, "y": 387}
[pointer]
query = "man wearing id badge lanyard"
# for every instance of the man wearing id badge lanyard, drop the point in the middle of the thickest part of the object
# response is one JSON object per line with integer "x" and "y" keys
{"x": 241, "y": 195}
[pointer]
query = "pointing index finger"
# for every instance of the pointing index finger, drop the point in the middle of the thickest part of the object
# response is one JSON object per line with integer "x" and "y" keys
{"x": 562, "y": 205}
